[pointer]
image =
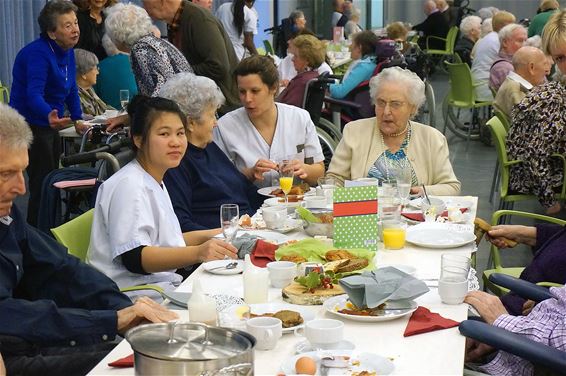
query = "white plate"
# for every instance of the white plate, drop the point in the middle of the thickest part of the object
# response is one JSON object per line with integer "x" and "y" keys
{"x": 367, "y": 362}
{"x": 290, "y": 225}
{"x": 259, "y": 309}
{"x": 305, "y": 346}
{"x": 266, "y": 191}
{"x": 275, "y": 201}
{"x": 268, "y": 235}
{"x": 438, "y": 237}
{"x": 333, "y": 305}
{"x": 209, "y": 266}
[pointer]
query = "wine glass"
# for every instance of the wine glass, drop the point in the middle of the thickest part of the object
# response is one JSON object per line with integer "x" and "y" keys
{"x": 229, "y": 221}
{"x": 124, "y": 99}
{"x": 286, "y": 178}
{"x": 403, "y": 177}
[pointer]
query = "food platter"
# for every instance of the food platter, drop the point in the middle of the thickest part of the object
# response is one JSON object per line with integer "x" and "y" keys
{"x": 239, "y": 312}
{"x": 392, "y": 310}
{"x": 266, "y": 191}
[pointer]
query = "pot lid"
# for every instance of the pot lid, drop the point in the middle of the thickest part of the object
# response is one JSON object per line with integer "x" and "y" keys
{"x": 188, "y": 341}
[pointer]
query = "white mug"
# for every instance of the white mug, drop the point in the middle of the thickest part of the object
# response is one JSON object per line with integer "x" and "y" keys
{"x": 274, "y": 216}
{"x": 266, "y": 330}
{"x": 314, "y": 202}
{"x": 322, "y": 333}
{"x": 281, "y": 273}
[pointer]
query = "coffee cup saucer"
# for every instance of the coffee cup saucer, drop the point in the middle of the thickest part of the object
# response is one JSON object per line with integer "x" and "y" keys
{"x": 306, "y": 346}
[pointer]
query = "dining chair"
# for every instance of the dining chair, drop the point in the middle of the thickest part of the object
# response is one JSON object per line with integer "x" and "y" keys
{"x": 506, "y": 124}
{"x": 75, "y": 235}
{"x": 495, "y": 256}
{"x": 449, "y": 43}
{"x": 4, "y": 93}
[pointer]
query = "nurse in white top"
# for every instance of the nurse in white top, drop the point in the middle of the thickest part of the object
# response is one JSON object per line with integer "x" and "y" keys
{"x": 136, "y": 238}
{"x": 240, "y": 22}
{"x": 262, "y": 133}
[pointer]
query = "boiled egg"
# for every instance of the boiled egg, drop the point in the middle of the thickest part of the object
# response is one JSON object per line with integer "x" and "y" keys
{"x": 305, "y": 366}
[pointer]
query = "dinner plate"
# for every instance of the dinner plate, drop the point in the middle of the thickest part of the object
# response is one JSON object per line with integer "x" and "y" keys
{"x": 393, "y": 310}
{"x": 359, "y": 361}
{"x": 258, "y": 309}
{"x": 179, "y": 299}
{"x": 212, "y": 266}
{"x": 275, "y": 201}
{"x": 438, "y": 237}
{"x": 290, "y": 225}
{"x": 266, "y": 191}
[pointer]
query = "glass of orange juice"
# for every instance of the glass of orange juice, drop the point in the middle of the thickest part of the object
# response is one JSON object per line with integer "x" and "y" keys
{"x": 286, "y": 178}
{"x": 393, "y": 234}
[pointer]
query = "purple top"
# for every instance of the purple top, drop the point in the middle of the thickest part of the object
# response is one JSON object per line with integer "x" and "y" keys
{"x": 499, "y": 70}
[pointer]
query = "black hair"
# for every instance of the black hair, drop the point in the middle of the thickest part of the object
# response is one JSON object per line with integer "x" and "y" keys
{"x": 238, "y": 12}
{"x": 367, "y": 41}
{"x": 47, "y": 19}
{"x": 144, "y": 110}
{"x": 263, "y": 66}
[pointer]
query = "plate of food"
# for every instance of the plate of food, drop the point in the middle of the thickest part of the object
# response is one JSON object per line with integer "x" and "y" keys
{"x": 337, "y": 362}
{"x": 291, "y": 316}
{"x": 343, "y": 307}
{"x": 298, "y": 190}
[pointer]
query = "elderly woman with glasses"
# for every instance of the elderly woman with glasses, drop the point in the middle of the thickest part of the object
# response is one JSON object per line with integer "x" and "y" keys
{"x": 379, "y": 147}
{"x": 87, "y": 71}
{"x": 205, "y": 179}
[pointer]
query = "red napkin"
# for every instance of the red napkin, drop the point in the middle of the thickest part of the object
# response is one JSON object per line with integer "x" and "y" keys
{"x": 424, "y": 321}
{"x": 263, "y": 253}
{"x": 125, "y": 362}
{"x": 420, "y": 218}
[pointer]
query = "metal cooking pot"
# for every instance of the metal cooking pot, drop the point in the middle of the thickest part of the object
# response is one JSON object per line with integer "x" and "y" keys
{"x": 191, "y": 349}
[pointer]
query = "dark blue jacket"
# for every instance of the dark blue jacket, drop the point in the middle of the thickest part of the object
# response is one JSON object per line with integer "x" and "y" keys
{"x": 44, "y": 80}
{"x": 204, "y": 180}
{"x": 48, "y": 297}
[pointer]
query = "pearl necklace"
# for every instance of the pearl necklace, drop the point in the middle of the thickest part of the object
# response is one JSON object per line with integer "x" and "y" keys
{"x": 397, "y": 134}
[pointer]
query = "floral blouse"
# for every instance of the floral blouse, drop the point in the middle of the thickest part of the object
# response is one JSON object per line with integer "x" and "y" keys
{"x": 538, "y": 131}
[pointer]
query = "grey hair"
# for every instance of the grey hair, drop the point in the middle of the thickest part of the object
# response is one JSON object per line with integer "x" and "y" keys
{"x": 487, "y": 12}
{"x": 508, "y": 30}
{"x": 109, "y": 46}
{"x": 411, "y": 85}
{"x": 534, "y": 41}
{"x": 468, "y": 23}
{"x": 85, "y": 61}
{"x": 192, "y": 93}
{"x": 296, "y": 14}
{"x": 127, "y": 23}
{"x": 14, "y": 131}
{"x": 486, "y": 27}
{"x": 47, "y": 19}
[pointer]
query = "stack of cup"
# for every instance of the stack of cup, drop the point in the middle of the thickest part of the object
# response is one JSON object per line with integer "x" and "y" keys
{"x": 453, "y": 283}
{"x": 326, "y": 188}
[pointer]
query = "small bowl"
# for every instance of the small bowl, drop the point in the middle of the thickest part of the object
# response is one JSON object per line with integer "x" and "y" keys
{"x": 317, "y": 228}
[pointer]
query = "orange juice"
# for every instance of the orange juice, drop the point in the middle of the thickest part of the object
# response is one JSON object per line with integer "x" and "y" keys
{"x": 286, "y": 183}
{"x": 394, "y": 238}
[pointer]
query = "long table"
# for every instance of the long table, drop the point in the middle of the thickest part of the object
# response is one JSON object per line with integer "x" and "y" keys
{"x": 436, "y": 353}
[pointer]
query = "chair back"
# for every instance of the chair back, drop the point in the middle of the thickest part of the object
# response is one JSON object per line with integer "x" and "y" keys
{"x": 462, "y": 93}
{"x": 4, "y": 93}
{"x": 314, "y": 96}
{"x": 75, "y": 234}
{"x": 451, "y": 38}
{"x": 502, "y": 117}
{"x": 499, "y": 135}
{"x": 268, "y": 47}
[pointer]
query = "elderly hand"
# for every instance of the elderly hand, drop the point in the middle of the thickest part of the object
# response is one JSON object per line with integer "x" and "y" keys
{"x": 144, "y": 309}
{"x": 417, "y": 191}
{"x": 261, "y": 167}
{"x": 115, "y": 122}
{"x": 488, "y": 306}
{"x": 528, "y": 307}
{"x": 521, "y": 234}
{"x": 57, "y": 123}
{"x": 216, "y": 249}
{"x": 476, "y": 351}
{"x": 81, "y": 127}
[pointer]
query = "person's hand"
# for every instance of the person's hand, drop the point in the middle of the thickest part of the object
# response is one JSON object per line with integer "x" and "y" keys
{"x": 116, "y": 122}
{"x": 261, "y": 167}
{"x": 57, "y": 123}
{"x": 143, "y": 310}
{"x": 476, "y": 351}
{"x": 528, "y": 307}
{"x": 488, "y": 306}
{"x": 417, "y": 191}
{"x": 81, "y": 127}
{"x": 284, "y": 83}
{"x": 298, "y": 168}
{"x": 520, "y": 234}
{"x": 215, "y": 249}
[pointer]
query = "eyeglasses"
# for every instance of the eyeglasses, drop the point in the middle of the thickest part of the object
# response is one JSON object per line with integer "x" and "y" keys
{"x": 394, "y": 105}
{"x": 559, "y": 59}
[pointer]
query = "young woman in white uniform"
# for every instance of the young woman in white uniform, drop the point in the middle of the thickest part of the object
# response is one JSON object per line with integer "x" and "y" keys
{"x": 262, "y": 132}
{"x": 136, "y": 238}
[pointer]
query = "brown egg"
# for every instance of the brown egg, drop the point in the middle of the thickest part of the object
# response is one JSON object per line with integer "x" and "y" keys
{"x": 305, "y": 366}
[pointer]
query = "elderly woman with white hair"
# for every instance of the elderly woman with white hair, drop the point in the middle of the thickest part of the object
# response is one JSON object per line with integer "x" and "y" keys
{"x": 205, "y": 179}
{"x": 153, "y": 59}
{"x": 87, "y": 70}
{"x": 378, "y": 147}
{"x": 470, "y": 29}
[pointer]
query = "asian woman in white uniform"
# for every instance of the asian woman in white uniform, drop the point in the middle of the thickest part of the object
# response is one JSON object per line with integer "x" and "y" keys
{"x": 136, "y": 238}
{"x": 262, "y": 132}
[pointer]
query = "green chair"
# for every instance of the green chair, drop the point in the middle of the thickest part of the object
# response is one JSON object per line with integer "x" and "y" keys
{"x": 4, "y": 93}
{"x": 495, "y": 180}
{"x": 449, "y": 43}
{"x": 268, "y": 47}
{"x": 496, "y": 257}
{"x": 462, "y": 96}
{"x": 75, "y": 235}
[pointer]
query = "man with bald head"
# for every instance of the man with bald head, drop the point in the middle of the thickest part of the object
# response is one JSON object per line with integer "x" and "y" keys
{"x": 434, "y": 25}
{"x": 511, "y": 38}
{"x": 530, "y": 67}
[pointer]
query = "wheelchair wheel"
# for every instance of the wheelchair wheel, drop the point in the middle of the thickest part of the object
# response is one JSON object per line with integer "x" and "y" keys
{"x": 330, "y": 128}
{"x": 462, "y": 122}
{"x": 426, "y": 113}
{"x": 328, "y": 145}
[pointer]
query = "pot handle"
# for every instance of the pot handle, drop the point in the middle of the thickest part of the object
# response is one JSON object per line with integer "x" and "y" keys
{"x": 244, "y": 369}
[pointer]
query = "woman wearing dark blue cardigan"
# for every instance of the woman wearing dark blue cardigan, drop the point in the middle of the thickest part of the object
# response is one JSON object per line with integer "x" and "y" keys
{"x": 205, "y": 178}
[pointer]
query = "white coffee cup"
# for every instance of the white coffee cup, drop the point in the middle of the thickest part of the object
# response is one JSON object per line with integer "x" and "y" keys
{"x": 322, "y": 333}
{"x": 266, "y": 330}
{"x": 314, "y": 202}
{"x": 281, "y": 273}
{"x": 274, "y": 216}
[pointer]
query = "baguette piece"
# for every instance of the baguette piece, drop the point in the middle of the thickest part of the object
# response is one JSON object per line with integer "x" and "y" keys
{"x": 481, "y": 227}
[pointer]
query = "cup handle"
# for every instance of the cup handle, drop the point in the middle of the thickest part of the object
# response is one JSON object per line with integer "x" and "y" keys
{"x": 268, "y": 336}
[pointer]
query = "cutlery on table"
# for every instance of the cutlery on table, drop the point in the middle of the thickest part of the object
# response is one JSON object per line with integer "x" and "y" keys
{"x": 231, "y": 265}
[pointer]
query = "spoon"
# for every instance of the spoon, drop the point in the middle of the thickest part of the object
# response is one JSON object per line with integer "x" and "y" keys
{"x": 426, "y": 195}
{"x": 231, "y": 265}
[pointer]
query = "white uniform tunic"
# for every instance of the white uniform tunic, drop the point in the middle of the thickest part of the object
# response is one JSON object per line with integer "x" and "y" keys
{"x": 295, "y": 137}
{"x": 226, "y": 17}
{"x": 132, "y": 210}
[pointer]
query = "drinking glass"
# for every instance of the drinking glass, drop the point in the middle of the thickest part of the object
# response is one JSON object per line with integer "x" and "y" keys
{"x": 124, "y": 99}
{"x": 403, "y": 177}
{"x": 453, "y": 283}
{"x": 286, "y": 178}
{"x": 229, "y": 221}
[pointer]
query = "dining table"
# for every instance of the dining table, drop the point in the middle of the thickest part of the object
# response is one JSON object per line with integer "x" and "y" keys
{"x": 438, "y": 352}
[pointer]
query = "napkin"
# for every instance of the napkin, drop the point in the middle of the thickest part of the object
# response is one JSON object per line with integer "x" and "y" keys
{"x": 263, "y": 253}
{"x": 125, "y": 362}
{"x": 418, "y": 217}
{"x": 424, "y": 321}
{"x": 245, "y": 244}
{"x": 371, "y": 289}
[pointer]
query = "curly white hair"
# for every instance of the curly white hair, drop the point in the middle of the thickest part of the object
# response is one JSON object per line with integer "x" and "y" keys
{"x": 126, "y": 24}
{"x": 407, "y": 81}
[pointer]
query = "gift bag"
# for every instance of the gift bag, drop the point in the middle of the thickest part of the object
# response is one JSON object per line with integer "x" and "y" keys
{"x": 355, "y": 217}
